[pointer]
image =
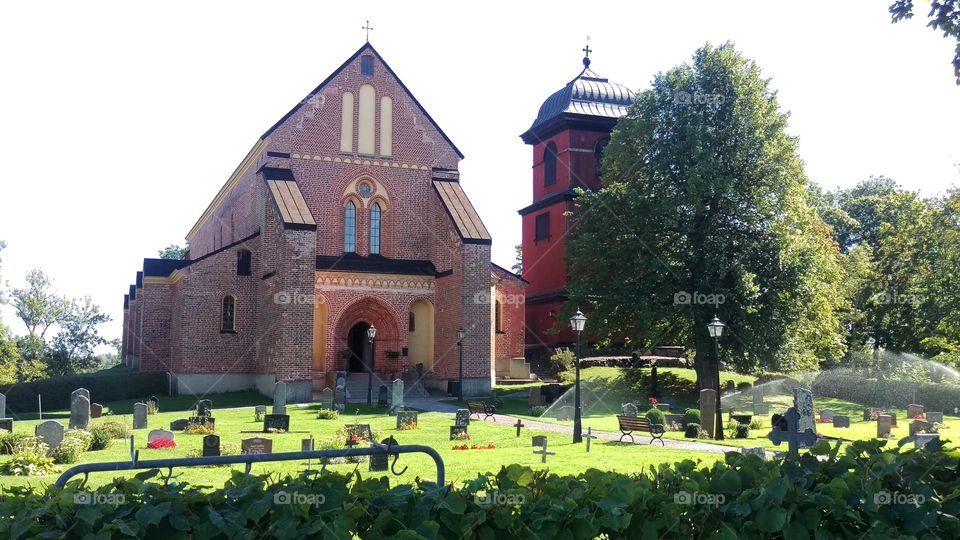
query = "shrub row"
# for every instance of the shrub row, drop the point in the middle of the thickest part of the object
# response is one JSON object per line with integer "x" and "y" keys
{"x": 854, "y": 387}
{"x": 865, "y": 492}
{"x": 112, "y": 385}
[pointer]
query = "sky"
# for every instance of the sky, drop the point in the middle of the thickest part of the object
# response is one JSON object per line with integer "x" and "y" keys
{"x": 120, "y": 121}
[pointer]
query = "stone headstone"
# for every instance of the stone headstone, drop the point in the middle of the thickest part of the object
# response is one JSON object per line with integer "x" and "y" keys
{"x": 378, "y": 462}
{"x": 803, "y": 402}
{"x": 159, "y": 435}
{"x": 827, "y": 414}
{"x": 204, "y": 407}
{"x": 935, "y": 417}
{"x": 543, "y": 452}
{"x": 884, "y": 422}
{"x": 360, "y": 431}
{"x": 758, "y": 451}
{"x": 80, "y": 392}
{"x": 462, "y": 417}
{"x": 406, "y": 417}
{"x": 457, "y": 430}
{"x": 179, "y": 425}
{"x": 535, "y": 398}
{"x": 628, "y": 409}
{"x": 757, "y": 396}
{"x": 919, "y": 426}
{"x": 3, "y": 406}
{"x": 761, "y": 409}
{"x": 79, "y": 411}
{"x": 280, "y": 398}
{"x": 893, "y": 418}
{"x": 673, "y": 419}
{"x": 51, "y": 432}
{"x": 279, "y": 422}
{"x": 396, "y": 396}
{"x": 538, "y": 440}
{"x": 339, "y": 399}
{"x": 139, "y": 416}
{"x": 708, "y": 410}
{"x": 6, "y": 424}
{"x": 306, "y": 445}
{"x": 382, "y": 396}
{"x": 914, "y": 410}
{"x": 326, "y": 399}
{"x": 256, "y": 445}
{"x": 259, "y": 412}
{"x": 922, "y": 439}
{"x": 730, "y": 388}
{"x": 211, "y": 445}
{"x": 553, "y": 391}
{"x": 96, "y": 410}
{"x": 841, "y": 421}
{"x": 794, "y": 438}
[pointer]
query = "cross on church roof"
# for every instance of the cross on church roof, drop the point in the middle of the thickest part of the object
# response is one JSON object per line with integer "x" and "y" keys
{"x": 587, "y": 50}
{"x": 368, "y": 28}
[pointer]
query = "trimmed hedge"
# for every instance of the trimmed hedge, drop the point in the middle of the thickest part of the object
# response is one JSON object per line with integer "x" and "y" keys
{"x": 104, "y": 386}
{"x": 864, "y": 493}
{"x": 854, "y": 387}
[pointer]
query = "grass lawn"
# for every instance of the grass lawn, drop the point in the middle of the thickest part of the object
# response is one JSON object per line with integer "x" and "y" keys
{"x": 433, "y": 431}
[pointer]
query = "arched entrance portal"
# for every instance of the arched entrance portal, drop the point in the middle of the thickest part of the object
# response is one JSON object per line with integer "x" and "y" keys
{"x": 357, "y": 343}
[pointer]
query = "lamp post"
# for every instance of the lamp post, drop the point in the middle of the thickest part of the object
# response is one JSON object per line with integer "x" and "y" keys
{"x": 715, "y": 328}
{"x": 371, "y": 333}
{"x": 577, "y": 323}
{"x": 461, "y": 333}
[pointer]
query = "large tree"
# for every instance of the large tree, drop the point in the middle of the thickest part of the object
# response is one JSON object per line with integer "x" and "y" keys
{"x": 73, "y": 349}
{"x": 944, "y": 17}
{"x": 174, "y": 251}
{"x": 705, "y": 211}
{"x": 37, "y": 305}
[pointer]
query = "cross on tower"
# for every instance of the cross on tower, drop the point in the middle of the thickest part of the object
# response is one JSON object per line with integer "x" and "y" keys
{"x": 587, "y": 50}
{"x": 368, "y": 28}
{"x": 586, "y": 59}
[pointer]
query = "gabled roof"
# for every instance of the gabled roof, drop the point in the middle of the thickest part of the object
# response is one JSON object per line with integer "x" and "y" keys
{"x": 462, "y": 212}
{"x": 366, "y": 47}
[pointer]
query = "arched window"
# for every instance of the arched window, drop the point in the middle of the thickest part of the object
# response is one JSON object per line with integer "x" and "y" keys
{"x": 350, "y": 228}
{"x": 550, "y": 165}
{"x": 227, "y": 310}
{"x": 375, "y": 229}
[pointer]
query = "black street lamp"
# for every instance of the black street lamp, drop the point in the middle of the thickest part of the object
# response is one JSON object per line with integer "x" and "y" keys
{"x": 461, "y": 333}
{"x": 577, "y": 323}
{"x": 371, "y": 333}
{"x": 715, "y": 328}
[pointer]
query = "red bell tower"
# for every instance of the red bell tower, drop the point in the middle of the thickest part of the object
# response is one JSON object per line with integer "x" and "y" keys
{"x": 568, "y": 136}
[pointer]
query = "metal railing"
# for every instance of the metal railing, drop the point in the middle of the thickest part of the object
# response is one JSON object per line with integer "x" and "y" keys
{"x": 249, "y": 459}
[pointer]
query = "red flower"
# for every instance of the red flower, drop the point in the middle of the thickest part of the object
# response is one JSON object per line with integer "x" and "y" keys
{"x": 652, "y": 400}
{"x": 161, "y": 443}
{"x": 919, "y": 417}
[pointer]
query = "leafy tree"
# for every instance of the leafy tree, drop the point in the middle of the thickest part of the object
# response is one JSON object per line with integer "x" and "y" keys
{"x": 72, "y": 350}
{"x": 9, "y": 356}
{"x": 704, "y": 194}
{"x": 174, "y": 251}
{"x": 944, "y": 15}
{"x": 32, "y": 364}
{"x": 517, "y": 267}
{"x": 37, "y": 305}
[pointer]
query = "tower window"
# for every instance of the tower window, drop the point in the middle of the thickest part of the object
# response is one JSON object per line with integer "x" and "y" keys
{"x": 243, "y": 262}
{"x": 375, "y": 229}
{"x": 227, "y": 309}
{"x": 598, "y": 155}
{"x": 366, "y": 66}
{"x": 550, "y": 165}
{"x": 350, "y": 228}
{"x": 542, "y": 228}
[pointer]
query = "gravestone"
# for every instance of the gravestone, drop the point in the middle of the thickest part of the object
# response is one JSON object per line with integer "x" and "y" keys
{"x": 730, "y": 388}
{"x": 935, "y": 417}
{"x": 757, "y": 396}
{"x": 462, "y": 417}
{"x": 382, "y": 396}
{"x": 326, "y": 399}
{"x": 883, "y": 426}
{"x": 80, "y": 392}
{"x": 803, "y": 402}
{"x": 278, "y": 422}
{"x": 211, "y": 445}
{"x": 339, "y": 399}
{"x": 256, "y": 445}
{"x": 761, "y": 409}
{"x": 538, "y": 440}
{"x": 553, "y": 391}
{"x": 758, "y": 451}
{"x": 280, "y": 398}
{"x": 96, "y": 410}
{"x": 378, "y": 462}
{"x": 922, "y": 439}
{"x": 396, "y": 396}
{"x": 893, "y": 418}
{"x": 208, "y": 421}
{"x": 673, "y": 419}
{"x": 795, "y": 438}
{"x": 259, "y": 412}
{"x": 919, "y": 426}
{"x": 870, "y": 413}
{"x": 708, "y": 410}
{"x": 914, "y": 410}
{"x": 159, "y": 435}
{"x": 543, "y": 452}
{"x": 358, "y": 432}
{"x": 519, "y": 425}
{"x": 6, "y": 424}
{"x": 628, "y": 409}
{"x": 139, "y": 416}
{"x": 3, "y": 406}
{"x": 306, "y": 445}
{"x": 204, "y": 407}
{"x": 841, "y": 421}
{"x": 535, "y": 398}
{"x": 456, "y": 431}
{"x": 406, "y": 417}
{"x": 827, "y": 414}
{"x": 51, "y": 432}
{"x": 79, "y": 411}
{"x": 179, "y": 425}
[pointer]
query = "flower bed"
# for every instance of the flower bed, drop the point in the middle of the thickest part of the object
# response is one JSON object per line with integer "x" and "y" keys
{"x": 161, "y": 443}
{"x": 474, "y": 447}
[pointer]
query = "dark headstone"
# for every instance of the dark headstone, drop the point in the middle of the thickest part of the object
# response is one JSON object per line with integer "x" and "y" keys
{"x": 761, "y": 409}
{"x": 457, "y": 430}
{"x": 538, "y": 440}
{"x": 179, "y": 425}
{"x": 462, "y": 417}
{"x": 211, "y": 445}
{"x": 256, "y": 445}
{"x": 535, "y": 399}
{"x": 382, "y": 396}
{"x": 921, "y": 440}
{"x": 204, "y": 407}
{"x": 204, "y": 421}
{"x": 841, "y": 421}
{"x": 96, "y": 410}
{"x": 276, "y": 422}
{"x": 730, "y": 388}
{"x": 914, "y": 410}
{"x": 6, "y": 424}
{"x": 794, "y": 438}
{"x": 935, "y": 417}
{"x": 306, "y": 445}
{"x": 357, "y": 432}
{"x": 406, "y": 417}
{"x": 326, "y": 399}
{"x": 628, "y": 409}
{"x": 742, "y": 419}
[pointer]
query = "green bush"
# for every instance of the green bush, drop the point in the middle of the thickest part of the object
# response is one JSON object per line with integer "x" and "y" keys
{"x": 562, "y": 360}
{"x": 691, "y": 430}
{"x": 327, "y": 414}
{"x": 852, "y": 386}
{"x": 75, "y": 443}
{"x": 101, "y": 438}
{"x": 744, "y": 386}
{"x": 116, "y": 429}
{"x": 10, "y": 442}
{"x": 28, "y": 464}
{"x": 691, "y": 416}
{"x": 104, "y": 386}
{"x": 829, "y": 497}
{"x": 656, "y": 416}
{"x": 757, "y": 423}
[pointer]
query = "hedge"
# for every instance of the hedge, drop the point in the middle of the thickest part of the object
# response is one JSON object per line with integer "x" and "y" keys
{"x": 866, "y": 492}
{"x": 104, "y": 386}
{"x": 854, "y": 387}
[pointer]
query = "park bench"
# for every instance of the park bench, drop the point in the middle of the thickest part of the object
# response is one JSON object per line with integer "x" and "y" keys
{"x": 629, "y": 424}
{"x": 482, "y": 407}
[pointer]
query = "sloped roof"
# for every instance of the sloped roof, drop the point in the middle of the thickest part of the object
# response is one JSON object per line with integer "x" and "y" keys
{"x": 462, "y": 212}
{"x": 285, "y": 192}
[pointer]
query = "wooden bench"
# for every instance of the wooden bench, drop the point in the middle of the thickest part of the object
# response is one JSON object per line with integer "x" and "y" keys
{"x": 629, "y": 424}
{"x": 482, "y": 407}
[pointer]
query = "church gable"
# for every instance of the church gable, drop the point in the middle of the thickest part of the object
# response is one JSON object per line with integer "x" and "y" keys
{"x": 364, "y": 111}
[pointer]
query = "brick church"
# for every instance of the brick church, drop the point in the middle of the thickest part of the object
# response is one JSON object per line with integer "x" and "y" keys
{"x": 348, "y": 215}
